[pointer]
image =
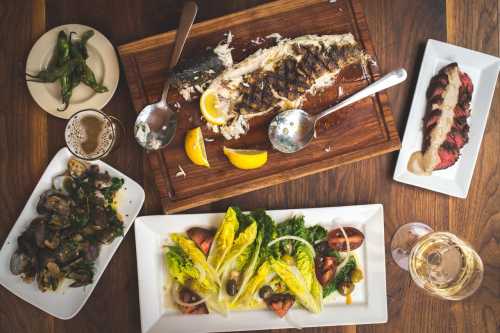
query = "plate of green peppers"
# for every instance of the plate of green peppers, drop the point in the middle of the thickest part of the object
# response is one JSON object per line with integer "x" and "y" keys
{"x": 71, "y": 68}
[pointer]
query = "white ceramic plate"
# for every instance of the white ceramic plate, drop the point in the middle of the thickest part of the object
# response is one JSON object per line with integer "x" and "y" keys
{"x": 483, "y": 70}
{"x": 66, "y": 302}
{"x": 102, "y": 60}
{"x": 369, "y": 298}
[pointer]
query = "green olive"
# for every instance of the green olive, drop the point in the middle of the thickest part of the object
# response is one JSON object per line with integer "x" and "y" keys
{"x": 356, "y": 275}
{"x": 345, "y": 288}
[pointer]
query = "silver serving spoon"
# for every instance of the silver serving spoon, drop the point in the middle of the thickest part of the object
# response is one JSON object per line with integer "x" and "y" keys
{"x": 156, "y": 124}
{"x": 292, "y": 130}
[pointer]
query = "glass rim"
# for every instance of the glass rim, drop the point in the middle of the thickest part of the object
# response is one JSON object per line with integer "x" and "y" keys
{"x": 108, "y": 118}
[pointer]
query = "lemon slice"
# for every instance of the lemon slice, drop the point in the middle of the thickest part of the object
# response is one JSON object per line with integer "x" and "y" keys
{"x": 246, "y": 159}
{"x": 208, "y": 106}
{"x": 195, "y": 147}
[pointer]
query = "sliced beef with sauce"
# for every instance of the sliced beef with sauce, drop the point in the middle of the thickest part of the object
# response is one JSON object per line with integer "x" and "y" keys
{"x": 445, "y": 122}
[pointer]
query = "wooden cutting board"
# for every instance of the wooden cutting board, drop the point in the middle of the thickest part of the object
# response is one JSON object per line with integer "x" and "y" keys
{"x": 364, "y": 130}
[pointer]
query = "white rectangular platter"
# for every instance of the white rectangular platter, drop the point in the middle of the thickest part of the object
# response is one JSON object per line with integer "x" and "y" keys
{"x": 483, "y": 71}
{"x": 369, "y": 300}
{"x": 66, "y": 302}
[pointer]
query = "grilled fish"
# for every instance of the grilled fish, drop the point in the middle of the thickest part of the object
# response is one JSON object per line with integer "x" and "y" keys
{"x": 278, "y": 78}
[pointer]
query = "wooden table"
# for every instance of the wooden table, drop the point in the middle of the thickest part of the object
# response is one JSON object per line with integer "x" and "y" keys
{"x": 399, "y": 28}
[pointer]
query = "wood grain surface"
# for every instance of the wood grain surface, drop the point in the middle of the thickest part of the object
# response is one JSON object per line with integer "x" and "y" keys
{"x": 361, "y": 131}
{"x": 399, "y": 29}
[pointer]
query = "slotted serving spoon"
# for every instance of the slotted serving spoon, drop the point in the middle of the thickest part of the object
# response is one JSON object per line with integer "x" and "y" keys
{"x": 292, "y": 130}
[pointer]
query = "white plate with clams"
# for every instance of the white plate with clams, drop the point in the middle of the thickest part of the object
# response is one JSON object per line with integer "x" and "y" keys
{"x": 483, "y": 71}
{"x": 369, "y": 299}
{"x": 66, "y": 302}
{"x": 101, "y": 59}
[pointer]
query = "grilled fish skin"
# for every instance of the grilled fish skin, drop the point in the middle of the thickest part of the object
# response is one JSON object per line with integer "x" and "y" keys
{"x": 278, "y": 78}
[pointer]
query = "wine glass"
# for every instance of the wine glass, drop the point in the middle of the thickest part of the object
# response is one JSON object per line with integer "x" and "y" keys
{"x": 439, "y": 262}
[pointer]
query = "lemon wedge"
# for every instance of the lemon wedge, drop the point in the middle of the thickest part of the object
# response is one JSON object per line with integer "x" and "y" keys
{"x": 195, "y": 147}
{"x": 208, "y": 106}
{"x": 246, "y": 159}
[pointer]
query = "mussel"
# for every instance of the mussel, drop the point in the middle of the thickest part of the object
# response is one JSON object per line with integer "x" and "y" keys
{"x": 105, "y": 236}
{"x": 91, "y": 251}
{"x": 67, "y": 251}
{"x": 54, "y": 202}
{"x": 100, "y": 218}
{"x": 81, "y": 277}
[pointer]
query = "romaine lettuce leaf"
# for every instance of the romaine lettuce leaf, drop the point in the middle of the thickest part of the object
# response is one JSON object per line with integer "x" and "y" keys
{"x": 182, "y": 269}
{"x": 256, "y": 281}
{"x": 179, "y": 266}
{"x": 305, "y": 265}
{"x": 244, "y": 258}
{"x": 296, "y": 285}
{"x": 196, "y": 255}
{"x": 250, "y": 268}
{"x": 244, "y": 240}
{"x": 223, "y": 240}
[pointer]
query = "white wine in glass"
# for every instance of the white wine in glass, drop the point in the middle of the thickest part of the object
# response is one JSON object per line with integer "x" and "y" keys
{"x": 439, "y": 262}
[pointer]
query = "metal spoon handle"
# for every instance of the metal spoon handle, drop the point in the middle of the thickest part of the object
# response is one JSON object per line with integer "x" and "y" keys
{"x": 391, "y": 79}
{"x": 186, "y": 22}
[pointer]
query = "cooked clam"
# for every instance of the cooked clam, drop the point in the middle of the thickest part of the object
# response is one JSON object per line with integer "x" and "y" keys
{"x": 57, "y": 222}
{"x": 19, "y": 263}
{"x": 49, "y": 277}
{"x": 102, "y": 180}
{"x": 63, "y": 184}
{"x": 77, "y": 168}
{"x": 75, "y": 221}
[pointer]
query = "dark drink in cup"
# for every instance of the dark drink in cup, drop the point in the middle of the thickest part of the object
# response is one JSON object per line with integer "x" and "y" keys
{"x": 90, "y": 134}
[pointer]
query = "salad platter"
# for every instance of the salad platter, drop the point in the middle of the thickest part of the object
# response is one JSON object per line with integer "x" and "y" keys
{"x": 332, "y": 37}
{"x": 301, "y": 268}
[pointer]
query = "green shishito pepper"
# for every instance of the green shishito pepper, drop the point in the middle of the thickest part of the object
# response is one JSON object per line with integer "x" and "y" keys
{"x": 65, "y": 80}
{"x": 68, "y": 66}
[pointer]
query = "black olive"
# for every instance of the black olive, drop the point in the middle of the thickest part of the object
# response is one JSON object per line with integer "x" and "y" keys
{"x": 265, "y": 292}
{"x": 322, "y": 247}
{"x": 231, "y": 287}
